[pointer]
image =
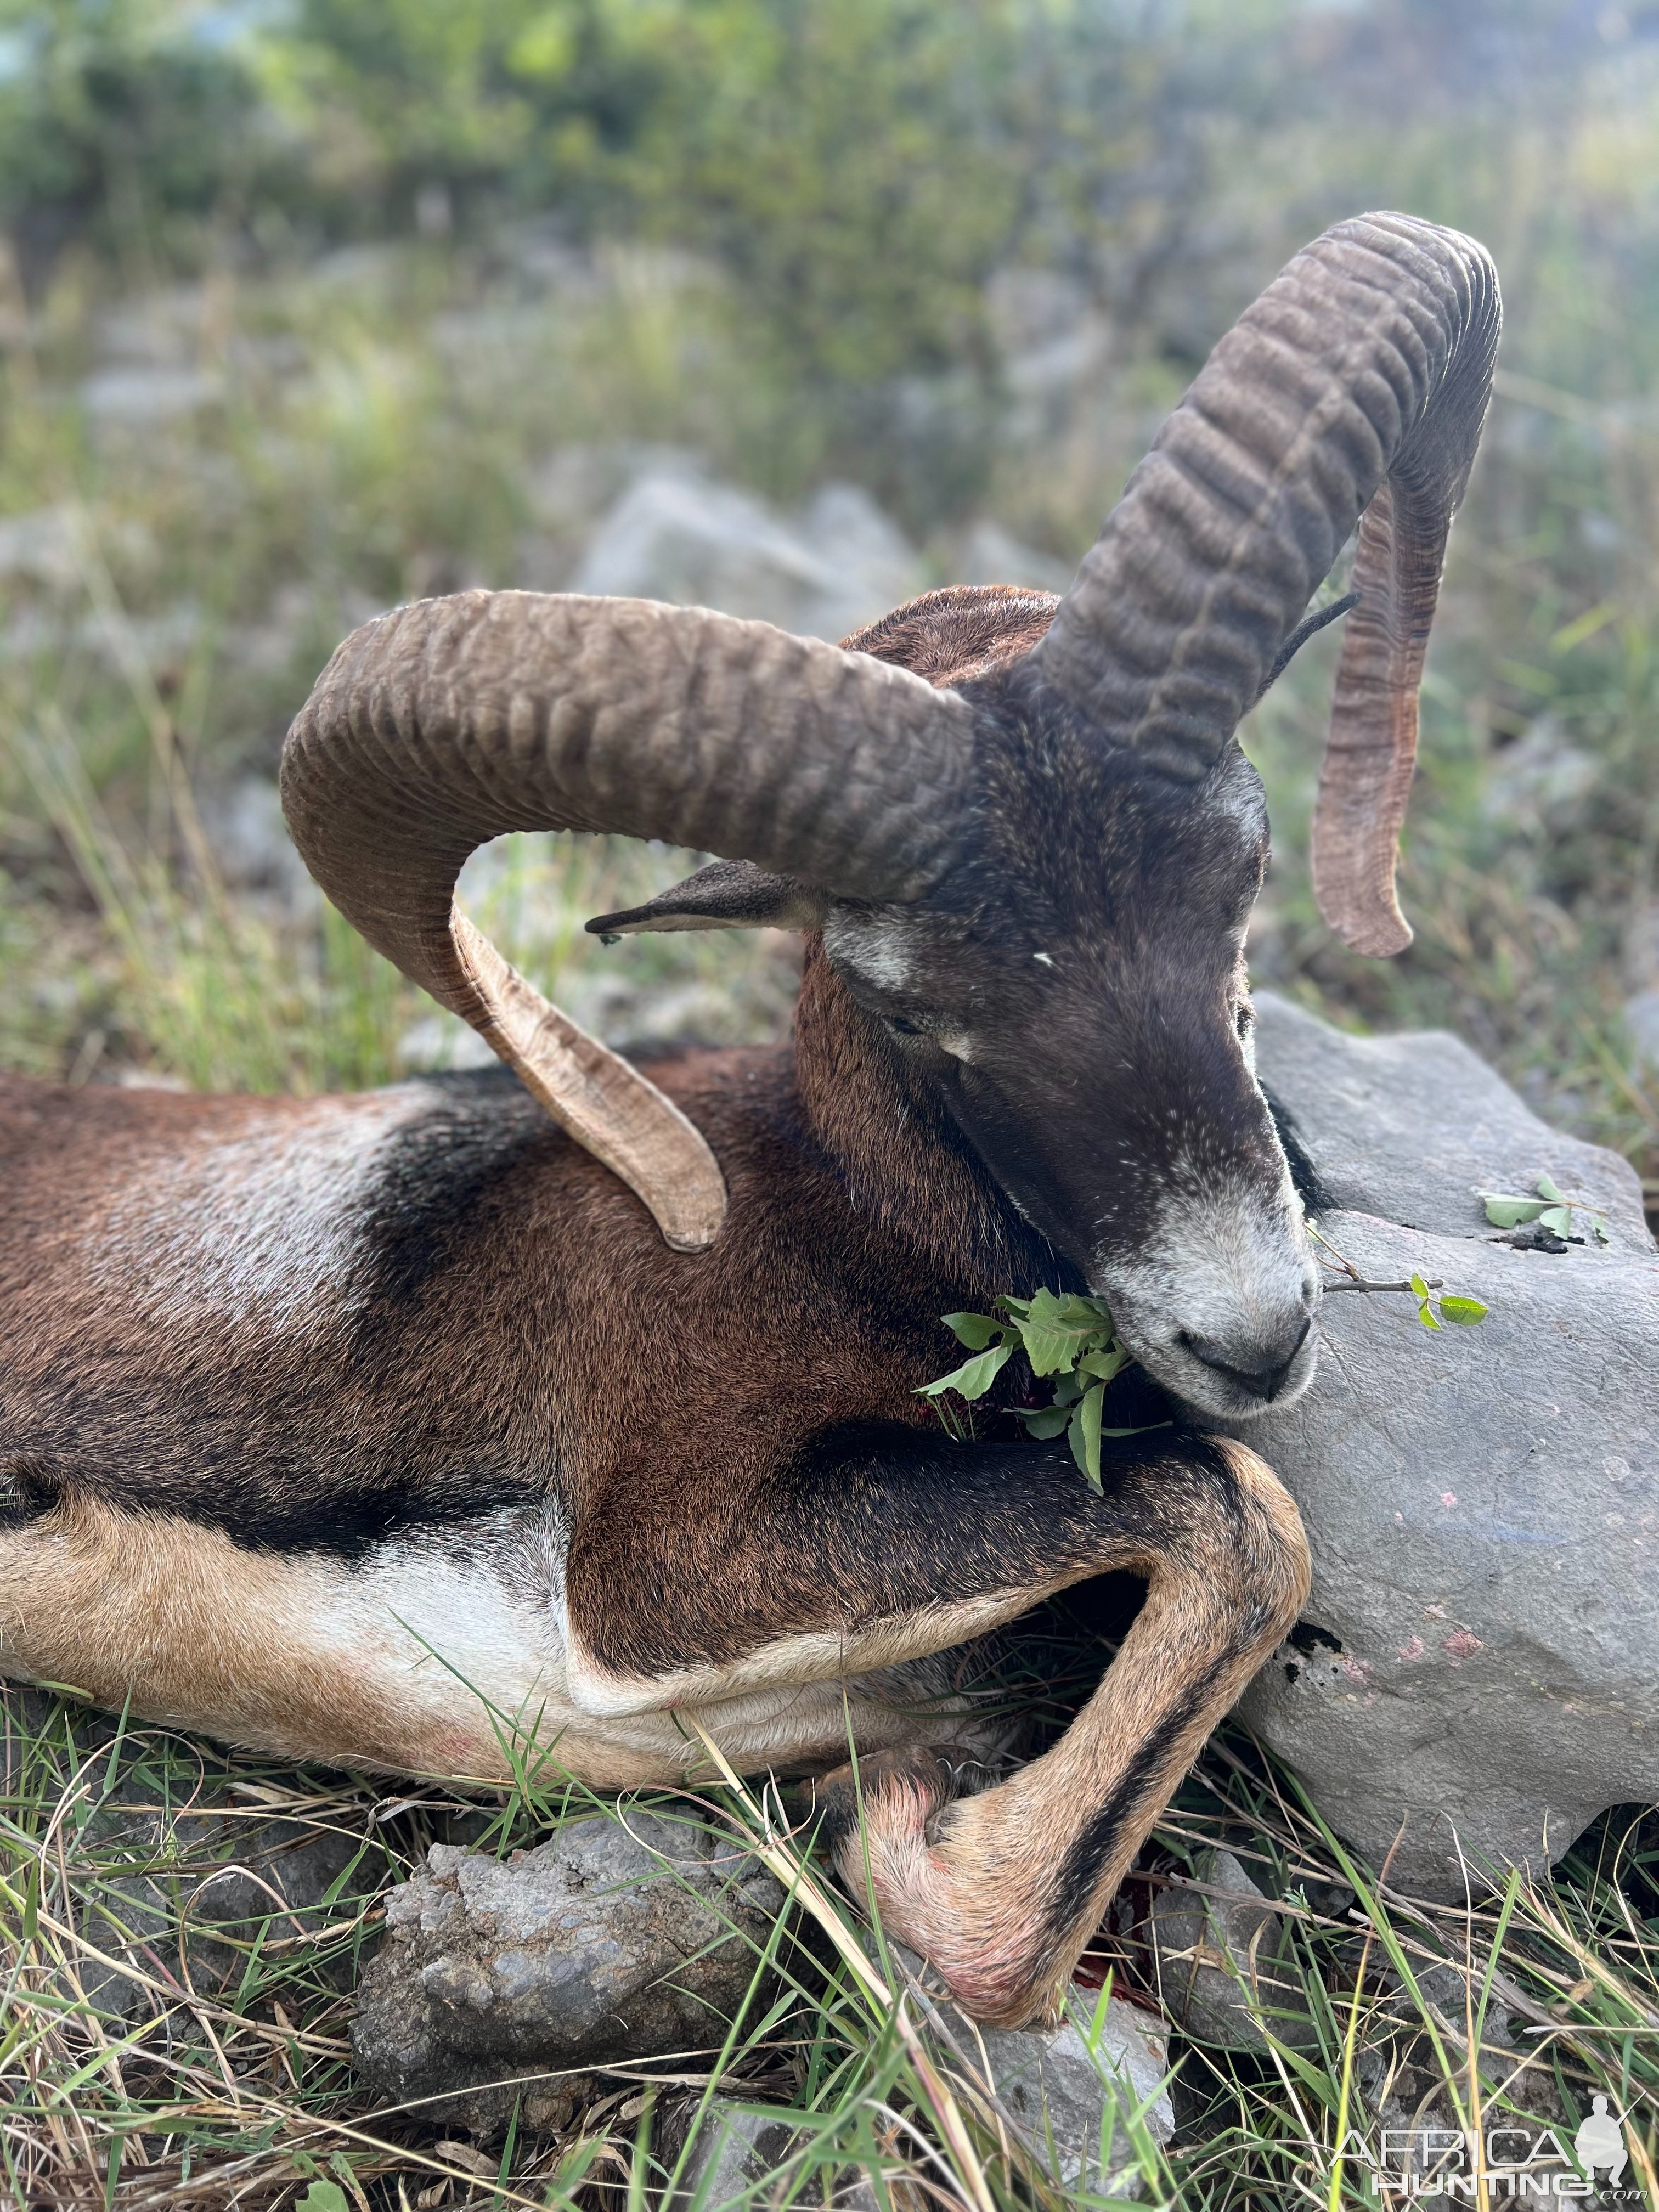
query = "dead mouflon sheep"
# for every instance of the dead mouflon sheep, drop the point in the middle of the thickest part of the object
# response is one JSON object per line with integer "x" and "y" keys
{"x": 330, "y": 1424}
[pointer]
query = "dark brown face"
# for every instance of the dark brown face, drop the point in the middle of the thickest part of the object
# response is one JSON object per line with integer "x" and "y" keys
{"x": 1078, "y": 999}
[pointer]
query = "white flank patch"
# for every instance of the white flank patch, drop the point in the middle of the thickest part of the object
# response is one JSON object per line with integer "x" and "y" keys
{"x": 464, "y": 1620}
{"x": 261, "y": 1226}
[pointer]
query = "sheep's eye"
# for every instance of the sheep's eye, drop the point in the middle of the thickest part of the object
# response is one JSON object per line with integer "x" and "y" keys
{"x": 1244, "y": 1018}
{"x": 901, "y": 1027}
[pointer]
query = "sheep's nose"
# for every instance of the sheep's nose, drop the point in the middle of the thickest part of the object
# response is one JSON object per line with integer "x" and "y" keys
{"x": 1260, "y": 1374}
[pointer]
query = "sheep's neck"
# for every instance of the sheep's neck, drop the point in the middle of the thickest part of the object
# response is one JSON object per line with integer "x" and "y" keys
{"x": 907, "y": 1170}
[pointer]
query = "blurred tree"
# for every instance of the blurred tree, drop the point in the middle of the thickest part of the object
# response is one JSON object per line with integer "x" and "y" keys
{"x": 119, "y": 120}
{"x": 859, "y": 164}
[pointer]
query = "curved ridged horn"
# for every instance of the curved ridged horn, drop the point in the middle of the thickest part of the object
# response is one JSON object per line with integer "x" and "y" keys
{"x": 453, "y": 721}
{"x": 1357, "y": 384}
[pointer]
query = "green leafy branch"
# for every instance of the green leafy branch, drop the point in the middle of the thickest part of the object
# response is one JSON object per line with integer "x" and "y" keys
{"x": 1068, "y": 1337}
{"x": 1552, "y": 1212}
{"x": 1467, "y": 1313}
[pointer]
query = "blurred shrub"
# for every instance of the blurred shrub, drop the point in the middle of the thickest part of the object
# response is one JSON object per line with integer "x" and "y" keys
{"x": 857, "y": 166}
{"x": 121, "y": 122}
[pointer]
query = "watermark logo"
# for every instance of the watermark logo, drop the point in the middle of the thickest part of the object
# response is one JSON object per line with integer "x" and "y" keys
{"x": 1524, "y": 2165}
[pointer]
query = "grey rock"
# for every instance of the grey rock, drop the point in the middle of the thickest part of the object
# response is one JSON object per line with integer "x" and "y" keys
{"x": 1056, "y": 368}
{"x": 620, "y": 1939}
{"x": 1073, "y": 2092}
{"x": 1413, "y": 1128}
{"x": 138, "y": 396}
{"x": 677, "y": 536}
{"x": 1446, "y": 1995}
{"x": 49, "y": 545}
{"x": 42, "y": 546}
{"x": 1482, "y": 1505}
{"x": 202, "y": 1887}
{"x": 1542, "y": 783}
{"x": 1640, "y": 952}
{"x": 1642, "y": 1020}
{"x": 251, "y": 844}
{"x": 165, "y": 326}
{"x": 573, "y": 488}
{"x": 1028, "y": 305}
{"x": 1224, "y": 1972}
{"x": 163, "y": 1891}
{"x": 734, "y": 2148}
{"x": 990, "y": 556}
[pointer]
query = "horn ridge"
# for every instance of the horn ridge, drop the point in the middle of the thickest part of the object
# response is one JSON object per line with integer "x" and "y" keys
{"x": 1358, "y": 381}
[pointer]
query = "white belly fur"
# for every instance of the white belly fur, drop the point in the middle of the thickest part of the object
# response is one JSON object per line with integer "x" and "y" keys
{"x": 434, "y": 1656}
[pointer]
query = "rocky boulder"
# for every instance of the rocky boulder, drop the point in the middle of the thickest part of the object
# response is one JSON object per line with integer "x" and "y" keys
{"x": 623, "y": 1937}
{"x": 1477, "y": 1657}
{"x": 675, "y": 535}
{"x": 1086, "y": 2097}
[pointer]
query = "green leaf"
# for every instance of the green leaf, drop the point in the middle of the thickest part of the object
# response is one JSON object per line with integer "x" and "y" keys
{"x": 974, "y": 1330}
{"x": 1056, "y": 1330}
{"x": 1420, "y": 1287}
{"x": 1558, "y": 1219}
{"x": 1504, "y": 1211}
{"x": 1044, "y": 1420}
{"x": 1103, "y": 1366}
{"x": 1425, "y": 1315}
{"x": 324, "y": 2197}
{"x": 1466, "y": 1312}
{"x": 1084, "y": 1434}
{"x": 974, "y": 1378}
{"x": 1546, "y": 1189}
{"x": 1600, "y": 1227}
{"x": 1080, "y": 1452}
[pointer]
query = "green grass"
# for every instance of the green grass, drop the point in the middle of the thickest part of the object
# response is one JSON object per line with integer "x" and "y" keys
{"x": 159, "y": 2049}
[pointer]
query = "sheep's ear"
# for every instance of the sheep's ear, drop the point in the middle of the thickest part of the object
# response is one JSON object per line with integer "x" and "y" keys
{"x": 726, "y": 895}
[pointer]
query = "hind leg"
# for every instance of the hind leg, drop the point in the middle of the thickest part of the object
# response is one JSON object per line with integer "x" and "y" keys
{"x": 1002, "y": 1891}
{"x": 891, "y": 1554}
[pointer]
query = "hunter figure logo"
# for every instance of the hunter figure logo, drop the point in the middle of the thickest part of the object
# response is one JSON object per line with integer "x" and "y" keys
{"x": 1500, "y": 2163}
{"x": 1601, "y": 2141}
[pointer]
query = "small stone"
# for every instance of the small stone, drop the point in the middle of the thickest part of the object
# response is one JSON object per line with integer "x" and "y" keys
{"x": 1223, "y": 1968}
{"x": 1071, "y": 2090}
{"x": 184, "y": 1895}
{"x": 619, "y": 1939}
{"x": 734, "y": 2148}
{"x": 675, "y": 535}
{"x": 990, "y": 556}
